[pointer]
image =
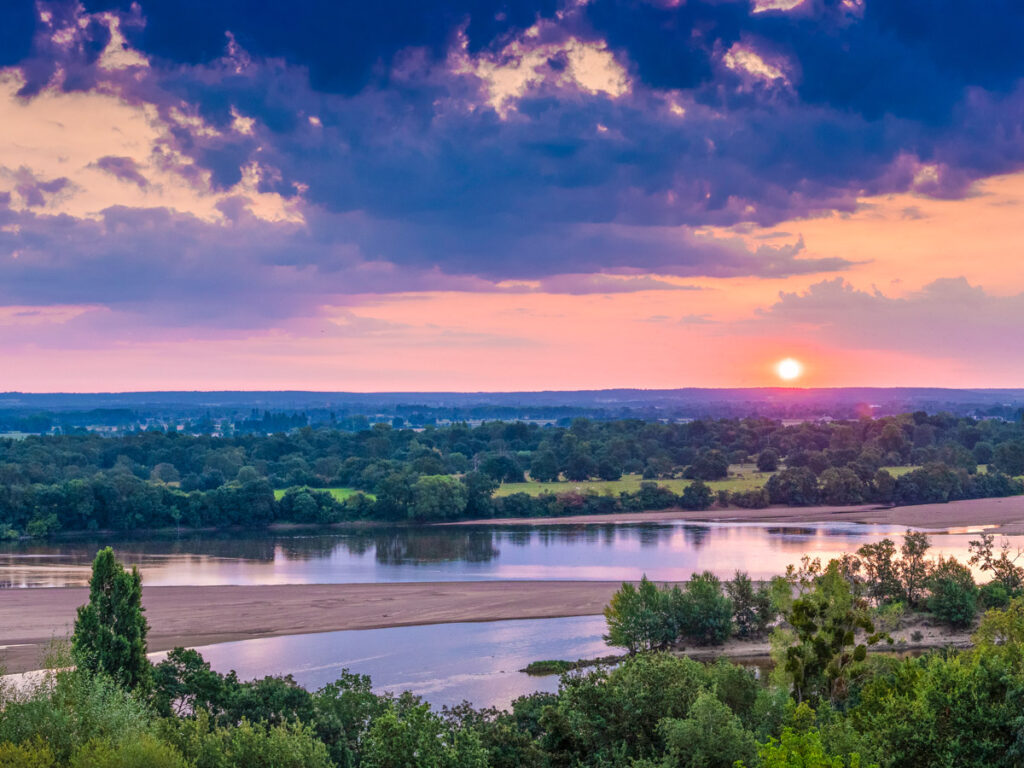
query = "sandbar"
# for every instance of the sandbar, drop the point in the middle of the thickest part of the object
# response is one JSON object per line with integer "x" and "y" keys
{"x": 1005, "y": 513}
{"x": 191, "y": 616}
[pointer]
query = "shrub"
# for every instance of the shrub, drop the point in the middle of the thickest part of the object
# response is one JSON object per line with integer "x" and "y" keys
{"x": 34, "y": 754}
{"x": 954, "y": 598}
{"x": 143, "y": 750}
{"x": 994, "y": 595}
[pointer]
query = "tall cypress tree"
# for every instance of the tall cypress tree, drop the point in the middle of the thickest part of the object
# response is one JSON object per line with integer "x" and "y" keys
{"x": 110, "y": 631}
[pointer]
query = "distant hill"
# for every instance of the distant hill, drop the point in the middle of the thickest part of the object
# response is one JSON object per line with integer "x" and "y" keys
{"x": 689, "y": 401}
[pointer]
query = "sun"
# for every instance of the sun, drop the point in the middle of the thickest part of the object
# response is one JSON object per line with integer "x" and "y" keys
{"x": 789, "y": 369}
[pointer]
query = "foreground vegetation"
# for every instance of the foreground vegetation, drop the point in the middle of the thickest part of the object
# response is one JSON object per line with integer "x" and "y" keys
{"x": 830, "y": 702}
{"x": 155, "y": 479}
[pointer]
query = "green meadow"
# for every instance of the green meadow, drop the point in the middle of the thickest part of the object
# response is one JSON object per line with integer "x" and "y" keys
{"x": 742, "y": 477}
{"x": 338, "y": 493}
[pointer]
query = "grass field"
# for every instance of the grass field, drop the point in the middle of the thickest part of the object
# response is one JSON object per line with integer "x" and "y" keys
{"x": 339, "y": 493}
{"x": 742, "y": 477}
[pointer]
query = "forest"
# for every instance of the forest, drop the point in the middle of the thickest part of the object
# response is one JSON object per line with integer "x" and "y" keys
{"x": 164, "y": 479}
{"x": 835, "y": 697}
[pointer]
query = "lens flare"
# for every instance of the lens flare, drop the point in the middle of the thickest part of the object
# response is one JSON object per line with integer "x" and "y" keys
{"x": 789, "y": 369}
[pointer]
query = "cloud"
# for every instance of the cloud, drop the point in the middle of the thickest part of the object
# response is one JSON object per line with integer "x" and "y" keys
{"x": 33, "y": 191}
{"x": 948, "y": 318}
{"x": 123, "y": 168}
{"x": 283, "y": 155}
{"x": 584, "y": 284}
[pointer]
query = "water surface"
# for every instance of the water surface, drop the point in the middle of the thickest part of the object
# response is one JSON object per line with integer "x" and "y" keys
{"x": 664, "y": 551}
{"x": 443, "y": 663}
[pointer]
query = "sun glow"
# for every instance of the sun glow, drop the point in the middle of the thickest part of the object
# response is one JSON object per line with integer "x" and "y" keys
{"x": 789, "y": 369}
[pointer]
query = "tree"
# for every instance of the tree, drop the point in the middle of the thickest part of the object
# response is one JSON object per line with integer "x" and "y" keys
{"x": 881, "y": 570}
{"x": 1008, "y": 457}
{"x": 802, "y": 747}
{"x": 826, "y": 659}
{"x": 954, "y": 597}
{"x": 437, "y": 497}
{"x": 544, "y": 467}
{"x": 794, "y": 486}
{"x": 768, "y": 460}
{"x": 914, "y": 568}
{"x": 1004, "y": 568}
{"x": 710, "y": 465}
{"x": 415, "y": 736}
{"x": 479, "y": 488}
{"x": 707, "y": 614}
{"x": 841, "y": 486}
{"x": 752, "y": 610}
{"x": 639, "y": 618}
{"x": 110, "y": 631}
{"x": 696, "y": 496}
{"x": 710, "y": 736}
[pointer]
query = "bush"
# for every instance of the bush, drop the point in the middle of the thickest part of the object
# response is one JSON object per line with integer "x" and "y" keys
{"x": 994, "y": 595}
{"x": 34, "y": 754}
{"x": 954, "y": 598}
{"x": 134, "y": 753}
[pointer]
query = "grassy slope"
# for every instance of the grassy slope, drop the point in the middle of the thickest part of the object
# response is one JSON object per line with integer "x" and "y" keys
{"x": 339, "y": 493}
{"x": 742, "y": 477}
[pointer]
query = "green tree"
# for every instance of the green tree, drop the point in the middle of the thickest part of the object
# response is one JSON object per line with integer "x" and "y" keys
{"x": 768, "y": 460}
{"x": 544, "y": 467}
{"x": 752, "y": 609}
{"x": 914, "y": 568}
{"x": 825, "y": 659}
{"x": 696, "y": 496}
{"x": 110, "y": 631}
{"x": 415, "y": 737}
{"x": 710, "y": 736}
{"x": 954, "y": 597}
{"x": 801, "y": 746}
{"x": 438, "y": 497}
{"x": 707, "y": 614}
{"x": 639, "y": 619}
{"x": 881, "y": 570}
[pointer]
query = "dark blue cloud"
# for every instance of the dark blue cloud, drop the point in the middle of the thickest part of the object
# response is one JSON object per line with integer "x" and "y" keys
{"x": 343, "y": 44}
{"x": 17, "y": 28}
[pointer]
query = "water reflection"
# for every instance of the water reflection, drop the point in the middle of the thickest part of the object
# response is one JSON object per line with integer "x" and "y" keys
{"x": 444, "y": 663}
{"x": 664, "y": 551}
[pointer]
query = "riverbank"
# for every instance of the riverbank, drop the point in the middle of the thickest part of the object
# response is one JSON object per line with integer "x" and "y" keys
{"x": 189, "y": 616}
{"x": 1006, "y": 513}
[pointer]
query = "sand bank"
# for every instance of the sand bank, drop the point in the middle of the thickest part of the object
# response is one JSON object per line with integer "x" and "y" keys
{"x": 191, "y": 616}
{"x": 1007, "y": 513}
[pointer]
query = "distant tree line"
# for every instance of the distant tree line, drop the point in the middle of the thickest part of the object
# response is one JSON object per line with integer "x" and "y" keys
{"x": 158, "y": 479}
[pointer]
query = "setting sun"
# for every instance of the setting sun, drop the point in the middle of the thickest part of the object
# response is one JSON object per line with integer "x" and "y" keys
{"x": 789, "y": 369}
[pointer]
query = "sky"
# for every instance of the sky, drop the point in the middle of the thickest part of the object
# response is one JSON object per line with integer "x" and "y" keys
{"x": 416, "y": 195}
